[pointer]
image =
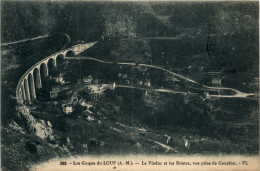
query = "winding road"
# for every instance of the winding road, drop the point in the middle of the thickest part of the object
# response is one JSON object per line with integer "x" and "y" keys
{"x": 238, "y": 94}
{"x": 25, "y": 40}
{"x": 36, "y": 38}
{"x": 161, "y": 90}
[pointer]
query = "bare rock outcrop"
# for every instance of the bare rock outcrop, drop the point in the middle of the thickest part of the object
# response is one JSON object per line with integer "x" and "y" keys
{"x": 34, "y": 126}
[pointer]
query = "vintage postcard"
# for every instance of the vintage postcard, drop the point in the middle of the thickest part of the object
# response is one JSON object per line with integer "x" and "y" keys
{"x": 129, "y": 85}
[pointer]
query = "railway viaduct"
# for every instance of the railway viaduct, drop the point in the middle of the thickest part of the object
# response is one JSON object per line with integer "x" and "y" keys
{"x": 31, "y": 79}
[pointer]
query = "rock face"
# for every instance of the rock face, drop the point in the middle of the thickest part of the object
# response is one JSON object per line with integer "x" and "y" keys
{"x": 37, "y": 127}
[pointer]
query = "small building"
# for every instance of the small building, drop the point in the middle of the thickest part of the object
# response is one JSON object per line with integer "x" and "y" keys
{"x": 146, "y": 93}
{"x": 95, "y": 90}
{"x": 148, "y": 83}
{"x": 256, "y": 82}
{"x": 60, "y": 79}
{"x": 186, "y": 143}
{"x": 89, "y": 118}
{"x": 114, "y": 85}
{"x": 67, "y": 109}
{"x": 206, "y": 95}
{"x": 53, "y": 94}
{"x": 119, "y": 75}
{"x": 124, "y": 76}
{"x": 95, "y": 81}
{"x": 83, "y": 103}
{"x": 87, "y": 80}
{"x": 216, "y": 81}
{"x": 55, "y": 88}
{"x": 95, "y": 95}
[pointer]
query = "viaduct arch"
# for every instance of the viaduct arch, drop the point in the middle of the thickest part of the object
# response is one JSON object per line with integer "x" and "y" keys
{"x": 31, "y": 79}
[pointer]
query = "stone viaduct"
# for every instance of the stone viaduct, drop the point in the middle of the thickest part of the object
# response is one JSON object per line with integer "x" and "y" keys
{"x": 31, "y": 79}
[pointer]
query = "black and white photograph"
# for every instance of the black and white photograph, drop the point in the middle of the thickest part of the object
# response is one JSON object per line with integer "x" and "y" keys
{"x": 120, "y": 78}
